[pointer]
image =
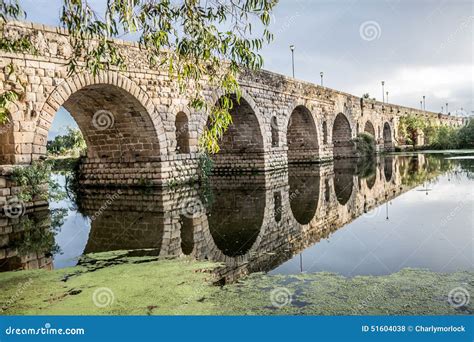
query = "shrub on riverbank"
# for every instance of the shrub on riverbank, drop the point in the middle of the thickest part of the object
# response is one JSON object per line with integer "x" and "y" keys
{"x": 436, "y": 137}
{"x": 365, "y": 145}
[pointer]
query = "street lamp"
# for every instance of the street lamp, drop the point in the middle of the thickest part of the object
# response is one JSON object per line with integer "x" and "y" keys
{"x": 292, "y": 48}
{"x": 321, "y": 74}
{"x": 383, "y": 93}
{"x": 387, "y": 95}
{"x": 447, "y": 110}
{"x": 421, "y": 105}
{"x": 424, "y": 103}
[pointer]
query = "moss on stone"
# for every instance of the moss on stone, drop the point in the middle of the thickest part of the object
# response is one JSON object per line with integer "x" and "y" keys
{"x": 143, "y": 286}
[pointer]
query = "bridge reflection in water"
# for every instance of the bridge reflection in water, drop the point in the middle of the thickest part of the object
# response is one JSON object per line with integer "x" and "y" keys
{"x": 248, "y": 223}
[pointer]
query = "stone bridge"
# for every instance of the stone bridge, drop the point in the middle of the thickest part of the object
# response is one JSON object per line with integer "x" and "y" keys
{"x": 138, "y": 126}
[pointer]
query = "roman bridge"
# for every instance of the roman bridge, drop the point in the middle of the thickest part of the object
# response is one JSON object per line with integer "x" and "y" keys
{"x": 138, "y": 126}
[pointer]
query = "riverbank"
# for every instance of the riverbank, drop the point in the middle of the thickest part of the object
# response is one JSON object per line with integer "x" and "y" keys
{"x": 121, "y": 284}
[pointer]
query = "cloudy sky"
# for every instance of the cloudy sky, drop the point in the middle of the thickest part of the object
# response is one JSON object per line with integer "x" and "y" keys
{"x": 418, "y": 47}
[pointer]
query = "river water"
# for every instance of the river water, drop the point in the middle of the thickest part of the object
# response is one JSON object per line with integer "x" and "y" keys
{"x": 351, "y": 218}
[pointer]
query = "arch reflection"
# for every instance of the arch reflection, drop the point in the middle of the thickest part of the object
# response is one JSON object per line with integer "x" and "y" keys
{"x": 343, "y": 180}
{"x": 236, "y": 215}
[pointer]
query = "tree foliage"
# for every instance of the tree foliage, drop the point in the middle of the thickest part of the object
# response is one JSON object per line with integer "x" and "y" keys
{"x": 195, "y": 41}
{"x": 71, "y": 144}
{"x": 365, "y": 145}
{"x": 436, "y": 136}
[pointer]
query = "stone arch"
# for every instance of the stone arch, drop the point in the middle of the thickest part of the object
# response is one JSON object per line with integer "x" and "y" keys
{"x": 387, "y": 135}
{"x": 235, "y": 219}
{"x": 182, "y": 133}
{"x": 342, "y": 137}
{"x": 369, "y": 128}
{"x": 302, "y": 136}
{"x": 370, "y": 180}
{"x": 242, "y": 145}
{"x": 343, "y": 180}
{"x": 117, "y": 118}
{"x": 304, "y": 187}
{"x": 388, "y": 168}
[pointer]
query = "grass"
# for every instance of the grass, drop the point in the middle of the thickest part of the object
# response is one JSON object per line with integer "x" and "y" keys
{"x": 117, "y": 284}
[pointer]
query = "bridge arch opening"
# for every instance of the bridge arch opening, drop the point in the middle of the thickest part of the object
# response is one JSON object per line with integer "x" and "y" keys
{"x": 370, "y": 181}
{"x": 301, "y": 136}
{"x": 304, "y": 192}
{"x": 387, "y": 135}
{"x": 342, "y": 137}
{"x": 182, "y": 133}
{"x": 115, "y": 125}
{"x": 343, "y": 180}
{"x": 388, "y": 168}
{"x": 242, "y": 143}
{"x": 236, "y": 217}
{"x": 369, "y": 128}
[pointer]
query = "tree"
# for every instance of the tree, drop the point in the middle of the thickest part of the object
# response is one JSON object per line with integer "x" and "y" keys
{"x": 72, "y": 143}
{"x": 466, "y": 135}
{"x": 194, "y": 40}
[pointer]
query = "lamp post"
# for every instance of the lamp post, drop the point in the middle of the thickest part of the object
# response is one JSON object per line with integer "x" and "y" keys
{"x": 383, "y": 93}
{"x": 387, "y": 95}
{"x": 442, "y": 109}
{"x": 421, "y": 105}
{"x": 424, "y": 102}
{"x": 321, "y": 74}
{"x": 292, "y": 48}
{"x": 447, "y": 110}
